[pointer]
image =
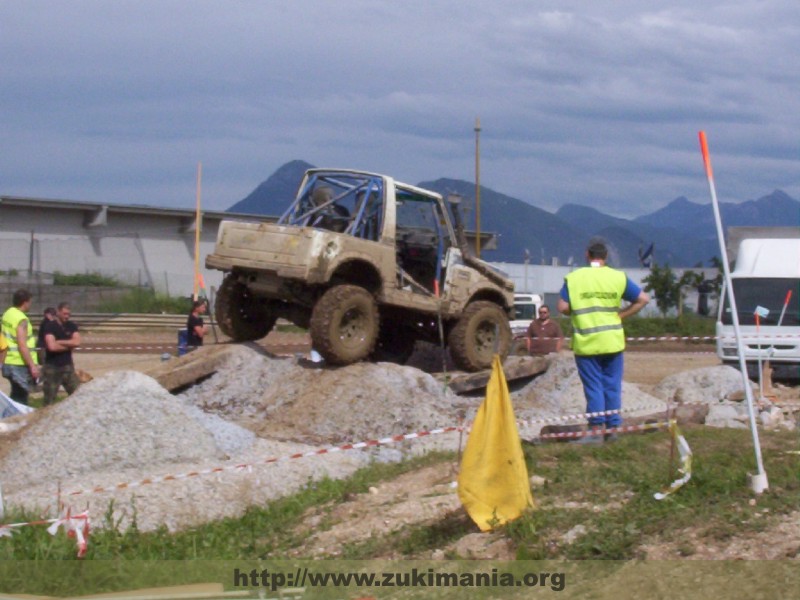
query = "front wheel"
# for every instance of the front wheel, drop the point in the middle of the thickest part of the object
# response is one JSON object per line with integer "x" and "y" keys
{"x": 344, "y": 324}
{"x": 239, "y": 314}
{"x": 481, "y": 332}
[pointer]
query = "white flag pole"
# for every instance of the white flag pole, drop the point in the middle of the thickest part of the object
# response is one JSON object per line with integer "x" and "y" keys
{"x": 759, "y": 481}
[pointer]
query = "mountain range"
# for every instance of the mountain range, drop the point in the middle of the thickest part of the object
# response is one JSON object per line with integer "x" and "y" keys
{"x": 683, "y": 233}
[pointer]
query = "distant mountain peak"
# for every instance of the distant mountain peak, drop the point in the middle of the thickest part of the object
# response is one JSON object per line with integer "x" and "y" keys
{"x": 272, "y": 196}
{"x": 683, "y": 231}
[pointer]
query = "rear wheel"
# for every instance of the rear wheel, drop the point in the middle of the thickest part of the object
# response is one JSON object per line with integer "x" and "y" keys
{"x": 481, "y": 332}
{"x": 344, "y": 324}
{"x": 239, "y": 314}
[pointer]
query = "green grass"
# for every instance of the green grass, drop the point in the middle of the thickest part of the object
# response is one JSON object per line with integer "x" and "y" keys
{"x": 686, "y": 325}
{"x": 85, "y": 279}
{"x": 620, "y": 480}
{"x": 607, "y": 489}
{"x": 141, "y": 300}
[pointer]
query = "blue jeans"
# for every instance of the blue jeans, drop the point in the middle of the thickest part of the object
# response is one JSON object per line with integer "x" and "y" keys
{"x": 601, "y": 376}
{"x": 21, "y": 382}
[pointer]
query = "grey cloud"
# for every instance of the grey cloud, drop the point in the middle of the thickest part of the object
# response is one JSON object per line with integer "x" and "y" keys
{"x": 584, "y": 102}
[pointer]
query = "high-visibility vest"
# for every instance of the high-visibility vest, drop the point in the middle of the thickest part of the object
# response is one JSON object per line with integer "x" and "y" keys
{"x": 11, "y": 320}
{"x": 595, "y": 294}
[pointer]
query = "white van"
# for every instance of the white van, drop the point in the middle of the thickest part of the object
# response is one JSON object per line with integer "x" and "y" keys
{"x": 526, "y": 308}
{"x": 766, "y": 281}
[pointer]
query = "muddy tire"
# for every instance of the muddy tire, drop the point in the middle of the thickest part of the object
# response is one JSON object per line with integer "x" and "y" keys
{"x": 394, "y": 345}
{"x": 482, "y": 327}
{"x": 241, "y": 316}
{"x": 344, "y": 324}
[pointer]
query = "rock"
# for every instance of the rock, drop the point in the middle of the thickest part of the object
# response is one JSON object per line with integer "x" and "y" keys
{"x": 485, "y": 546}
{"x": 707, "y": 385}
{"x": 574, "y": 533}
{"x": 771, "y": 418}
{"x": 537, "y": 481}
{"x": 691, "y": 413}
{"x": 726, "y": 415}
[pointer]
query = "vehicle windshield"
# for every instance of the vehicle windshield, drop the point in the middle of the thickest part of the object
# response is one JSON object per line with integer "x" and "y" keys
{"x": 765, "y": 294}
{"x": 525, "y": 312}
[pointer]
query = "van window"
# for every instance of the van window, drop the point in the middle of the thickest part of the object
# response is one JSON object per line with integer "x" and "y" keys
{"x": 524, "y": 312}
{"x": 769, "y": 293}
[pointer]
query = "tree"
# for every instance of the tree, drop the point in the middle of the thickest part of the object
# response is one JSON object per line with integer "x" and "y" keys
{"x": 689, "y": 279}
{"x": 664, "y": 285}
{"x": 668, "y": 289}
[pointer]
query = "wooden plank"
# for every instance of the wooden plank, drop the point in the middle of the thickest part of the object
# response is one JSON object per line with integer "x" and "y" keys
{"x": 514, "y": 367}
{"x": 179, "y": 372}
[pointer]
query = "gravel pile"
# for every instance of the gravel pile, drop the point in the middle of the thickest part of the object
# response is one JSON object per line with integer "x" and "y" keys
{"x": 559, "y": 391}
{"x": 293, "y": 400}
{"x": 124, "y": 420}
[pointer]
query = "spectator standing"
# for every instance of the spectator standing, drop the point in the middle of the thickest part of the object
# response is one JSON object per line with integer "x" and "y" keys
{"x": 49, "y": 315}
{"x": 20, "y": 366}
{"x": 544, "y": 335}
{"x": 195, "y": 328}
{"x": 61, "y": 337}
{"x": 592, "y": 296}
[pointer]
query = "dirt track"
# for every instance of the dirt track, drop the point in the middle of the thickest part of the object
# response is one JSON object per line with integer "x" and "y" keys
{"x": 397, "y": 507}
{"x": 647, "y": 363}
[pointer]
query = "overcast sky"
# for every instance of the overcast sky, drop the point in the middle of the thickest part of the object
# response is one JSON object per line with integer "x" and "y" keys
{"x": 595, "y": 102}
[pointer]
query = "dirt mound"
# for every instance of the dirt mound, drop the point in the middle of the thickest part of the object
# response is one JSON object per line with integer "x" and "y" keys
{"x": 121, "y": 420}
{"x": 559, "y": 391}
{"x": 287, "y": 399}
{"x": 706, "y": 385}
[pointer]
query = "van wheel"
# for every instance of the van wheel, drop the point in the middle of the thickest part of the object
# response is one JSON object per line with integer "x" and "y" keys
{"x": 239, "y": 314}
{"x": 481, "y": 332}
{"x": 344, "y": 324}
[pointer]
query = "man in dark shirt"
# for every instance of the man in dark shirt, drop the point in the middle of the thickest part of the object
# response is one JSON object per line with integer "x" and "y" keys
{"x": 544, "y": 335}
{"x": 49, "y": 315}
{"x": 60, "y": 338}
{"x": 194, "y": 325}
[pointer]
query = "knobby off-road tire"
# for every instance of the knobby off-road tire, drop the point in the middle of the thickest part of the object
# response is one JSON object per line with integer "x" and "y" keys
{"x": 481, "y": 331}
{"x": 241, "y": 316}
{"x": 344, "y": 324}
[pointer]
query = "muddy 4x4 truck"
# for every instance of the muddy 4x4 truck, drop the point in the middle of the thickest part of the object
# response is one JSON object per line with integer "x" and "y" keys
{"x": 369, "y": 266}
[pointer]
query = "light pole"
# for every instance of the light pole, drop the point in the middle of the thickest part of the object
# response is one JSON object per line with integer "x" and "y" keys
{"x": 477, "y": 187}
{"x": 527, "y": 262}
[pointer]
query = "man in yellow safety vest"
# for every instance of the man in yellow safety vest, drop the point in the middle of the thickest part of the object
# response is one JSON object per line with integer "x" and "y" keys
{"x": 592, "y": 296}
{"x": 20, "y": 366}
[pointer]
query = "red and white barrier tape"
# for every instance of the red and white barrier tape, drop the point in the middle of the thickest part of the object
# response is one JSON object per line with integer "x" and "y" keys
{"x": 76, "y": 526}
{"x": 248, "y": 466}
{"x": 607, "y": 431}
{"x": 580, "y": 416}
{"x": 671, "y": 338}
{"x": 328, "y": 450}
{"x": 685, "y": 468}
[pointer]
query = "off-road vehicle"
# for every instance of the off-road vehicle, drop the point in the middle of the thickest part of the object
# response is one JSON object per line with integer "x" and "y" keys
{"x": 369, "y": 265}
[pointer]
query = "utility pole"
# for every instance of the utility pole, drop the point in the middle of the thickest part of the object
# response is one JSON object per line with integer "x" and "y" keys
{"x": 477, "y": 187}
{"x": 527, "y": 261}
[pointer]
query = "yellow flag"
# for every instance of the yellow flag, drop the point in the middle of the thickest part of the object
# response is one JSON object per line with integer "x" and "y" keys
{"x": 493, "y": 480}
